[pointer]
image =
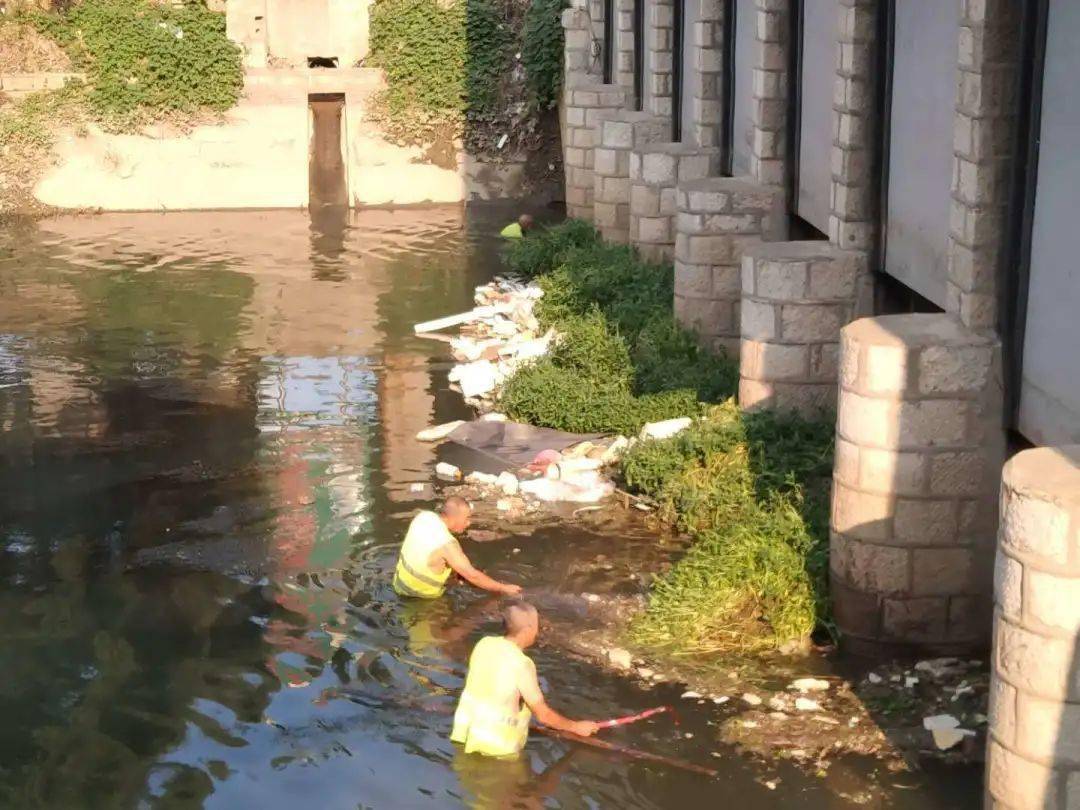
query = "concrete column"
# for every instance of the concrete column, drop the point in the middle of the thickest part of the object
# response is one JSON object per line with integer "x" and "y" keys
{"x": 1033, "y": 750}
{"x": 796, "y": 296}
{"x": 584, "y": 106}
{"x": 616, "y": 135}
{"x": 918, "y": 447}
{"x": 719, "y": 219}
{"x": 983, "y": 140}
{"x": 655, "y": 171}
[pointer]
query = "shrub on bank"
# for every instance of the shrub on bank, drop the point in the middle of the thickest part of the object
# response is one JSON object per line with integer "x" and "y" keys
{"x": 146, "y": 61}
{"x": 750, "y": 490}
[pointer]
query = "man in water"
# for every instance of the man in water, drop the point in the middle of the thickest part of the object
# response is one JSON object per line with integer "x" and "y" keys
{"x": 430, "y": 553}
{"x": 490, "y": 718}
{"x": 516, "y": 230}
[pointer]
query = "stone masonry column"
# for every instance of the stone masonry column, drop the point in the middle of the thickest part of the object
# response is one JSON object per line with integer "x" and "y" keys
{"x": 719, "y": 218}
{"x": 584, "y": 106}
{"x": 617, "y": 135}
{"x": 796, "y": 296}
{"x": 915, "y": 484}
{"x": 1033, "y": 750}
{"x": 655, "y": 170}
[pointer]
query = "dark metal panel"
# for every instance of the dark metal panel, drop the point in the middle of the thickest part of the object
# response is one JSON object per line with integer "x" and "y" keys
{"x": 1050, "y": 389}
{"x": 925, "y": 35}
{"x": 815, "y": 38}
{"x": 743, "y": 95}
{"x": 678, "y": 33}
{"x": 728, "y": 79}
{"x": 609, "y": 40}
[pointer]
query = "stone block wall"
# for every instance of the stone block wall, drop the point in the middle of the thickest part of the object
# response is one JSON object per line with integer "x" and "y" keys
{"x": 584, "y": 107}
{"x": 983, "y": 141}
{"x": 918, "y": 455}
{"x": 796, "y": 296}
{"x": 718, "y": 220}
{"x": 578, "y": 57}
{"x": 655, "y": 171}
{"x": 1033, "y": 751}
{"x": 617, "y": 134}
{"x": 623, "y": 68}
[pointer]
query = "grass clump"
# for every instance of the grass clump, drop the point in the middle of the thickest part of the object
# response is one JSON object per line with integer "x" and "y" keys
{"x": 750, "y": 490}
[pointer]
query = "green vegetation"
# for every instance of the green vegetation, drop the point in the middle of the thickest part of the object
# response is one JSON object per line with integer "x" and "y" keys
{"x": 623, "y": 360}
{"x": 147, "y": 61}
{"x": 477, "y": 69}
{"x": 750, "y": 490}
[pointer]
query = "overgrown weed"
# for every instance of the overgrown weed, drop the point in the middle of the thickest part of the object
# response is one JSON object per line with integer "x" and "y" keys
{"x": 751, "y": 490}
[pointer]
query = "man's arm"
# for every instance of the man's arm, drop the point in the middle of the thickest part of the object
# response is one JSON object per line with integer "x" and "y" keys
{"x": 454, "y": 557}
{"x": 529, "y": 689}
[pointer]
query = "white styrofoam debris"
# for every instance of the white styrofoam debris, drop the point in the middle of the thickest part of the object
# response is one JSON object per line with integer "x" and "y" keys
{"x": 665, "y": 429}
{"x": 809, "y": 685}
{"x": 508, "y": 483}
{"x": 807, "y": 705}
{"x": 439, "y": 432}
{"x": 940, "y": 721}
{"x": 447, "y": 471}
{"x": 481, "y": 478}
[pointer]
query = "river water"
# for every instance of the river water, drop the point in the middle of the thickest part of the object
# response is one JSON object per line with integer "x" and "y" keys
{"x": 207, "y": 458}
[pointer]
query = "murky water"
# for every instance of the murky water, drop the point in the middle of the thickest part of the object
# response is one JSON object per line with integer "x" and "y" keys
{"x": 206, "y": 461}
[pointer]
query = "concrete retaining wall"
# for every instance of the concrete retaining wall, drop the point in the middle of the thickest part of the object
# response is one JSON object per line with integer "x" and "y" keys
{"x": 1033, "y": 751}
{"x": 257, "y": 157}
{"x": 17, "y": 85}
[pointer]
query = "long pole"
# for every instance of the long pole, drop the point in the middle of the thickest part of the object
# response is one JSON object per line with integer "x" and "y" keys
{"x": 625, "y": 751}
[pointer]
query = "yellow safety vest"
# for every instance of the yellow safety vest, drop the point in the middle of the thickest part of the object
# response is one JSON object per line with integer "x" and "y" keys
{"x": 512, "y": 231}
{"x": 413, "y": 576}
{"x": 484, "y": 721}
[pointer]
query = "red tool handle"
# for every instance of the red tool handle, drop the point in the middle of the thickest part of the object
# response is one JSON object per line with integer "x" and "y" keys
{"x": 633, "y": 718}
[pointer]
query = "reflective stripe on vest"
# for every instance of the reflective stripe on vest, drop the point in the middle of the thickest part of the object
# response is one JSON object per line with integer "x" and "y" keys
{"x": 410, "y": 582}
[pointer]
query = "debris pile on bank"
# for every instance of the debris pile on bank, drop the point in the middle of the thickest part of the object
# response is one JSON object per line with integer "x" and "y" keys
{"x": 496, "y": 338}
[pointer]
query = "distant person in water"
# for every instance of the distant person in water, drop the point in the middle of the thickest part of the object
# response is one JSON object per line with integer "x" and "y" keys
{"x": 502, "y": 691}
{"x": 516, "y": 230}
{"x": 430, "y": 554}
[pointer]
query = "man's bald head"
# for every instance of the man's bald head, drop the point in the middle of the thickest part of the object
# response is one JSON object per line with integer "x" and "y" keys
{"x": 521, "y": 621}
{"x": 456, "y": 512}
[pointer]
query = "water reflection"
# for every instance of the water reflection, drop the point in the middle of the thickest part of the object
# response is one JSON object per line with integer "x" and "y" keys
{"x": 207, "y": 448}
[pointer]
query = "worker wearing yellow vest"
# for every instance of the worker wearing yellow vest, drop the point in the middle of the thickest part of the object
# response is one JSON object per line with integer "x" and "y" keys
{"x": 430, "y": 554}
{"x": 502, "y": 691}
{"x": 516, "y": 230}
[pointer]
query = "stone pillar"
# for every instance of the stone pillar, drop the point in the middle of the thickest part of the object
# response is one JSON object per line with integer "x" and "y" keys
{"x": 854, "y": 210}
{"x": 624, "y": 44}
{"x": 983, "y": 140}
{"x": 918, "y": 447}
{"x": 577, "y": 48}
{"x": 584, "y": 106}
{"x": 1033, "y": 750}
{"x": 617, "y": 135}
{"x": 719, "y": 218}
{"x": 703, "y": 88}
{"x": 796, "y": 296}
{"x": 768, "y": 163}
{"x": 659, "y": 45}
{"x": 655, "y": 171}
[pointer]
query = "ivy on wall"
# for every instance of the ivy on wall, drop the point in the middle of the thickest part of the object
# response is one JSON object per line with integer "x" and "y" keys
{"x": 145, "y": 60}
{"x": 479, "y": 70}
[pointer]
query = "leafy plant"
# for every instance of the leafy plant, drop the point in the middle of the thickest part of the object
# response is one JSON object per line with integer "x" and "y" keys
{"x": 145, "y": 60}
{"x": 543, "y": 51}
